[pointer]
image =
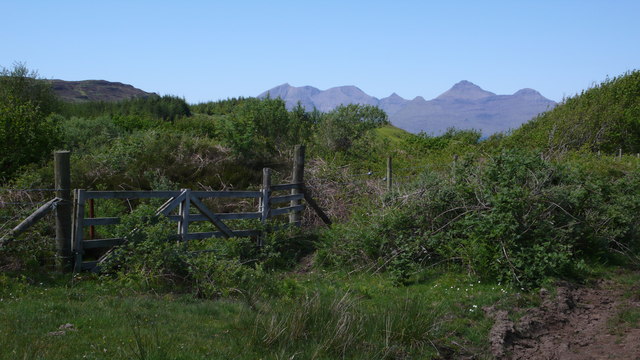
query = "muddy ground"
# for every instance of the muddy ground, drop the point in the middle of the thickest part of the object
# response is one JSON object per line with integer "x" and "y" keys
{"x": 600, "y": 321}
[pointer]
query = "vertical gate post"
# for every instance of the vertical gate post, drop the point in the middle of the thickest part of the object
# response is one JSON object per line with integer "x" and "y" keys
{"x": 297, "y": 177}
{"x": 184, "y": 210}
{"x": 78, "y": 230}
{"x": 266, "y": 199}
{"x": 62, "y": 179}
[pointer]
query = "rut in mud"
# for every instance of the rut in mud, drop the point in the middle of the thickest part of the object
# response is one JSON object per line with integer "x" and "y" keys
{"x": 595, "y": 322}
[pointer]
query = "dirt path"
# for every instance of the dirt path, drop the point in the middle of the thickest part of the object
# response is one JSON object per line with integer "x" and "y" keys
{"x": 597, "y": 322}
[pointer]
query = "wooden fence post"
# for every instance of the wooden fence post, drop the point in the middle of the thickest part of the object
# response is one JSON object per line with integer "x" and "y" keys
{"x": 389, "y": 174}
{"x": 62, "y": 180}
{"x": 295, "y": 217}
{"x": 266, "y": 199}
{"x": 184, "y": 211}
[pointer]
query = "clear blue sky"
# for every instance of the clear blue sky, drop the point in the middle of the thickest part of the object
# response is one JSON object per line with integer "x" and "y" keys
{"x": 210, "y": 50}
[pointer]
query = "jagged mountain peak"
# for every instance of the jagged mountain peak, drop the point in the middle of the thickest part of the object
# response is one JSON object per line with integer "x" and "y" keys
{"x": 465, "y": 90}
{"x": 286, "y": 90}
{"x": 341, "y": 95}
{"x": 395, "y": 96}
{"x": 464, "y": 83}
{"x": 527, "y": 92}
{"x": 347, "y": 90}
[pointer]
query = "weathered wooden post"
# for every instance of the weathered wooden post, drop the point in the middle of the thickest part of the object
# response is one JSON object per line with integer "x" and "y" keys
{"x": 265, "y": 200}
{"x": 620, "y": 154}
{"x": 389, "y": 174}
{"x": 78, "y": 229}
{"x": 297, "y": 177}
{"x": 184, "y": 210}
{"x": 92, "y": 214}
{"x": 62, "y": 180}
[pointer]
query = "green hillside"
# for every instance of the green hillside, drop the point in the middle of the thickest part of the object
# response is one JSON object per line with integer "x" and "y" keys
{"x": 604, "y": 118}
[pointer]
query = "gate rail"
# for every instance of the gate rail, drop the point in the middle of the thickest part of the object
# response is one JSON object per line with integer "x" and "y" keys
{"x": 184, "y": 201}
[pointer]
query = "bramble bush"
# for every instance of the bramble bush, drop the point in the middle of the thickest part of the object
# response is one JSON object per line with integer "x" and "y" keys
{"x": 512, "y": 217}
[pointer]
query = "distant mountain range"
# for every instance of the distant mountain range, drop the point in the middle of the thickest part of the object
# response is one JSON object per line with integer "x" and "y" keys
{"x": 95, "y": 90}
{"x": 464, "y": 106}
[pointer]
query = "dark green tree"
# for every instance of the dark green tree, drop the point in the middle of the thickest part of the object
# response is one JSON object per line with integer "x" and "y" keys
{"x": 27, "y": 131}
{"x": 346, "y": 124}
{"x": 258, "y": 128}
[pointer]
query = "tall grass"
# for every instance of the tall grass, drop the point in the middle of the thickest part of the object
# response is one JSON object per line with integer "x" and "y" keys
{"x": 334, "y": 317}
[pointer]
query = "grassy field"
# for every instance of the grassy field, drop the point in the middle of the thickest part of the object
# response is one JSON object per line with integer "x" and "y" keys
{"x": 326, "y": 315}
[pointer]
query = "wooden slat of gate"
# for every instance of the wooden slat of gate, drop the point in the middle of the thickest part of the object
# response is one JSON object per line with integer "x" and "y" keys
{"x": 77, "y": 230}
{"x": 171, "y": 204}
{"x": 212, "y": 217}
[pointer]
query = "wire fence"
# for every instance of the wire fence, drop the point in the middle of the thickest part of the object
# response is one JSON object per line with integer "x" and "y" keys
{"x": 337, "y": 190}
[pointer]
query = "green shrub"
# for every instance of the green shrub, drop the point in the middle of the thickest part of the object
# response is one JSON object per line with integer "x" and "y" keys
{"x": 136, "y": 161}
{"x": 512, "y": 217}
{"x": 257, "y": 129}
{"x": 82, "y": 134}
{"x": 154, "y": 258}
{"x": 341, "y": 127}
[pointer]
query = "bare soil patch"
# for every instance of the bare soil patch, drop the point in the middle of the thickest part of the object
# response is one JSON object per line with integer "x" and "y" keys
{"x": 576, "y": 322}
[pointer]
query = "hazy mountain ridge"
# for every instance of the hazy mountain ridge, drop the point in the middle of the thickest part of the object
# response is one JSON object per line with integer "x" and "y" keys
{"x": 464, "y": 106}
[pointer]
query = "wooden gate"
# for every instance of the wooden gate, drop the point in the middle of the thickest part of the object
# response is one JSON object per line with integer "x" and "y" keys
{"x": 184, "y": 201}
